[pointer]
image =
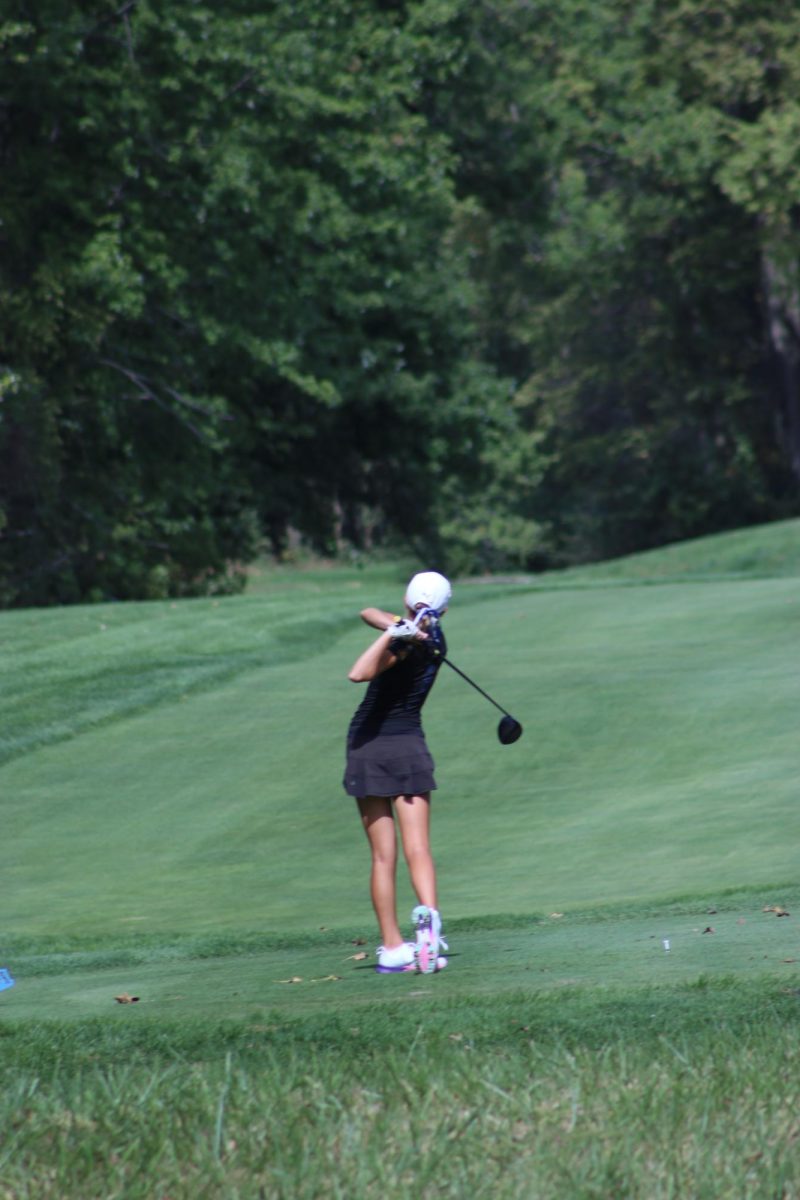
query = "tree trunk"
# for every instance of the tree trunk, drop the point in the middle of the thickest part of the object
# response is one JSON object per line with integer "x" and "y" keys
{"x": 782, "y": 313}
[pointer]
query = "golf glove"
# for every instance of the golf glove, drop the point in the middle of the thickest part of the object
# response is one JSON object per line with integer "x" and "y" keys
{"x": 403, "y": 631}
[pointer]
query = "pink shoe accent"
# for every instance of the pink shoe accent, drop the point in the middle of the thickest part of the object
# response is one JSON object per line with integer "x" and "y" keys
{"x": 427, "y": 946}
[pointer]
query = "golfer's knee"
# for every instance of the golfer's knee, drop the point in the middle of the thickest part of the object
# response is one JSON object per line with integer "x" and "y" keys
{"x": 418, "y": 854}
{"x": 384, "y": 860}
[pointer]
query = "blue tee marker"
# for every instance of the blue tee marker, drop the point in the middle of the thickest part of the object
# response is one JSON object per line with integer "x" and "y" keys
{"x": 5, "y": 979}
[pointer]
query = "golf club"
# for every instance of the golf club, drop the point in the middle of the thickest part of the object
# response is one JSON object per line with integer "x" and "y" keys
{"x": 509, "y": 728}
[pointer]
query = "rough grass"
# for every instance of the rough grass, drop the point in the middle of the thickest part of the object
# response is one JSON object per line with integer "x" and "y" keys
{"x": 666, "y": 1092}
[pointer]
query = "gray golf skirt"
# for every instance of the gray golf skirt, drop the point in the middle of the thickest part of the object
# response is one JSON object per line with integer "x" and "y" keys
{"x": 391, "y": 764}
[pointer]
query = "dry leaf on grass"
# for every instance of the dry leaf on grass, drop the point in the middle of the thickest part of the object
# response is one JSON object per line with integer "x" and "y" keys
{"x": 294, "y": 979}
{"x": 709, "y": 929}
{"x": 124, "y": 998}
{"x": 777, "y": 909}
{"x": 357, "y": 957}
{"x": 327, "y": 979}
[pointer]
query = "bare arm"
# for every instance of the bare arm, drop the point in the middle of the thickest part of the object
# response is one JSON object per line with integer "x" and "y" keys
{"x": 377, "y": 618}
{"x": 376, "y": 659}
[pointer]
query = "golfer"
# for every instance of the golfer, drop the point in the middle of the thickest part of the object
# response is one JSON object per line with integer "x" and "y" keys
{"x": 390, "y": 771}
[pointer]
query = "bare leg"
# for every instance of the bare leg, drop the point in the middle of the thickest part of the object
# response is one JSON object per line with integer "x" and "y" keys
{"x": 378, "y": 821}
{"x": 414, "y": 818}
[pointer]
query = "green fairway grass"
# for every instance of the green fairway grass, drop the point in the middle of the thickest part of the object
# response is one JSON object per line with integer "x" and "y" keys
{"x": 174, "y": 828}
{"x": 761, "y": 552}
{"x": 660, "y": 757}
{"x": 329, "y": 971}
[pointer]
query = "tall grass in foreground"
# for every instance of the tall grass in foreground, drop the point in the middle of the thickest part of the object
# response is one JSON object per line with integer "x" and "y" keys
{"x": 691, "y": 1093}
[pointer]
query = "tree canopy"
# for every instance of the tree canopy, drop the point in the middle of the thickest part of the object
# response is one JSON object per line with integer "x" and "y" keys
{"x": 516, "y": 284}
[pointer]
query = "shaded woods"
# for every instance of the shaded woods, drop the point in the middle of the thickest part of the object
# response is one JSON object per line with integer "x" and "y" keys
{"x": 514, "y": 284}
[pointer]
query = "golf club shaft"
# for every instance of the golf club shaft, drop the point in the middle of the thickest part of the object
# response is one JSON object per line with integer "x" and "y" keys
{"x": 477, "y": 689}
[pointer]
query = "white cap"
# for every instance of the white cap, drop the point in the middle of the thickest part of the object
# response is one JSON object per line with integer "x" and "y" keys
{"x": 429, "y": 589}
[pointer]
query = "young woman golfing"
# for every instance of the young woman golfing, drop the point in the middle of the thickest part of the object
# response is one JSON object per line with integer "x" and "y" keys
{"x": 390, "y": 771}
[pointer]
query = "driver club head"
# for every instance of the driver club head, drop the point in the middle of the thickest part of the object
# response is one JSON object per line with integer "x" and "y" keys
{"x": 509, "y": 730}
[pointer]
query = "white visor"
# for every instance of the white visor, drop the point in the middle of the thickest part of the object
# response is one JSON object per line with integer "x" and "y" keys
{"x": 429, "y": 589}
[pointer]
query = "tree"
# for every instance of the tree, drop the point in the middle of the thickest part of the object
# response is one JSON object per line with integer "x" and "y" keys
{"x": 630, "y": 291}
{"x": 109, "y": 443}
{"x": 230, "y": 296}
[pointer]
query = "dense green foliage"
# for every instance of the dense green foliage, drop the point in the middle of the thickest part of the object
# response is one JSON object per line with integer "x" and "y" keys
{"x": 516, "y": 284}
{"x": 637, "y": 199}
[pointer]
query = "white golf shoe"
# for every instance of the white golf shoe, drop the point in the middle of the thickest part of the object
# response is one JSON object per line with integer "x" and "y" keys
{"x": 399, "y": 958}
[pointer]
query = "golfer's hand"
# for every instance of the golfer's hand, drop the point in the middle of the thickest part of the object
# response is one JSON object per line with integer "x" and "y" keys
{"x": 405, "y": 631}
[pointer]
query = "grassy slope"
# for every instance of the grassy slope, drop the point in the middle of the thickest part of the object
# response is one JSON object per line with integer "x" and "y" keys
{"x": 174, "y": 828}
{"x": 192, "y": 816}
{"x": 659, "y": 759}
{"x": 763, "y": 552}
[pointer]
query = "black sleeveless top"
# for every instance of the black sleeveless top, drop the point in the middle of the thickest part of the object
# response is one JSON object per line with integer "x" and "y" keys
{"x": 394, "y": 699}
